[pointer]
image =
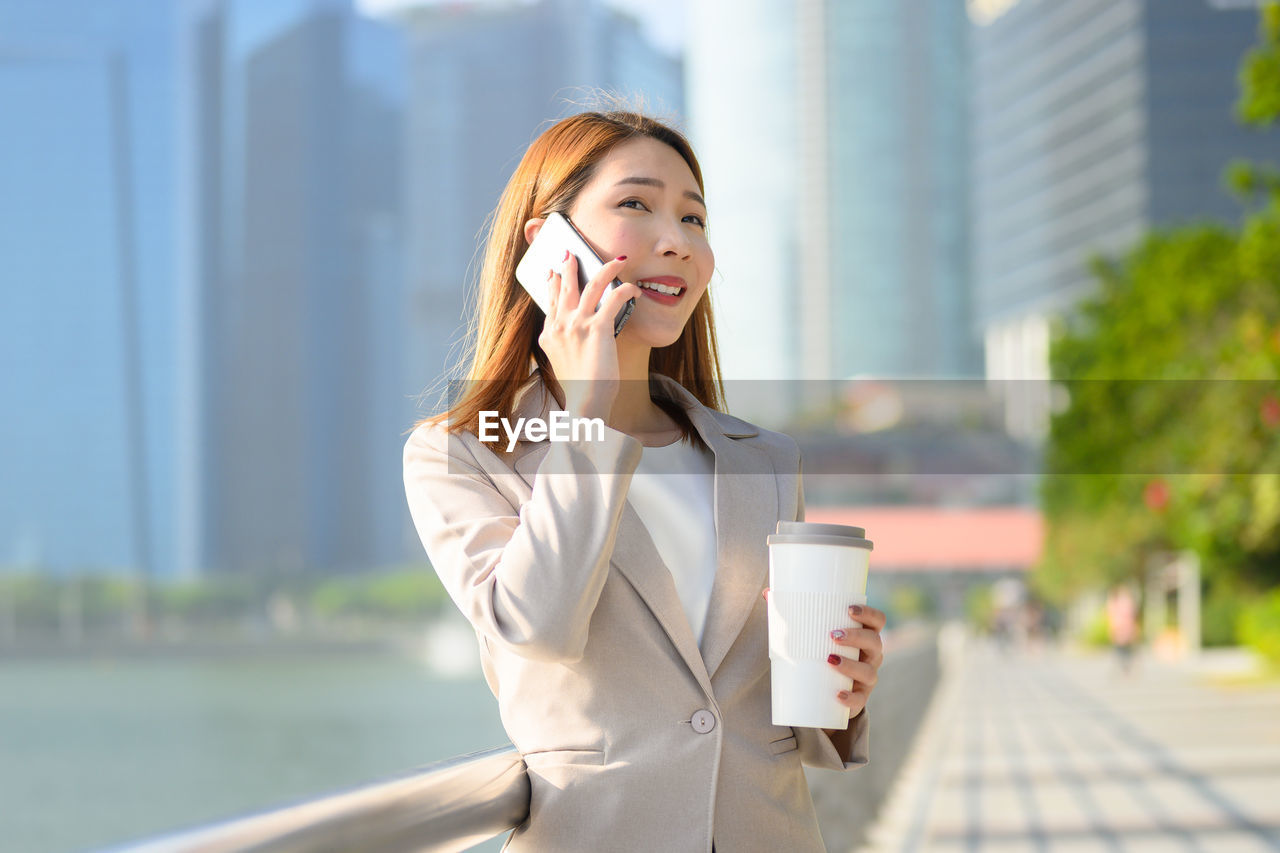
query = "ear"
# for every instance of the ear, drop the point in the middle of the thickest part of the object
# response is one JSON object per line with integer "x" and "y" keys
{"x": 531, "y": 229}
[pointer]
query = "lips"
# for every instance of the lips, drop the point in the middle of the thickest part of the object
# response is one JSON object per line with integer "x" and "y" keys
{"x": 653, "y": 287}
{"x": 664, "y": 298}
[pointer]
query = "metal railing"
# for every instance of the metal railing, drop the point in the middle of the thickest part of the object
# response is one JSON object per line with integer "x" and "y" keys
{"x": 447, "y": 806}
{"x": 455, "y": 804}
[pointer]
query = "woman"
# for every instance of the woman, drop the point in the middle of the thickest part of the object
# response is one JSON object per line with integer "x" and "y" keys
{"x": 619, "y": 612}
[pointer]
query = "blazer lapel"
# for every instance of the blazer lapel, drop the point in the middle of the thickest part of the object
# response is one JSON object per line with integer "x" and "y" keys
{"x": 634, "y": 555}
{"x": 637, "y": 559}
{"x": 746, "y": 508}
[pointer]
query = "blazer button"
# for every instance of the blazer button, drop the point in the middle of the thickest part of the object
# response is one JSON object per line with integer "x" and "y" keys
{"x": 703, "y": 721}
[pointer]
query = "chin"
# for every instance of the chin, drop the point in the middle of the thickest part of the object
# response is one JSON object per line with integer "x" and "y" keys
{"x": 655, "y": 338}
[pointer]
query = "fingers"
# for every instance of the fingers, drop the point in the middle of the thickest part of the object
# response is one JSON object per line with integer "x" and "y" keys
{"x": 865, "y": 640}
{"x": 553, "y": 295}
{"x": 595, "y": 288}
{"x": 860, "y": 671}
{"x": 867, "y": 617}
{"x": 854, "y": 700}
{"x": 567, "y": 282}
{"x": 615, "y": 299}
{"x": 863, "y": 666}
{"x": 567, "y": 297}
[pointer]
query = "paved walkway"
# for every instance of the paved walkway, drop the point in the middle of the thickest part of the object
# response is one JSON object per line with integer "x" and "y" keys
{"x": 1059, "y": 752}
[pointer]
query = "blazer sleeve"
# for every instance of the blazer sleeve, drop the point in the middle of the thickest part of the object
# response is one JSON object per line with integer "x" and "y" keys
{"x": 527, "y": 578}
{"x": 817, "y": 748}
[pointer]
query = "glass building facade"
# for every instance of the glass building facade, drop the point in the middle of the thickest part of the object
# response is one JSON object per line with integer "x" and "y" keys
{"x": 742, "y": 86}
{"x": 1093, "y": 122}
{"x": 898, "y": 160}
{"x": 837, "y": 133}
{"x": 237, "y": 237}
{"x": 87, "y": 234}
{"x": 290, "y": 307}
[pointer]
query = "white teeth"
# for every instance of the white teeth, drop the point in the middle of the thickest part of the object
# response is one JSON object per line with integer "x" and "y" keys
{"x": 661, "y": 288}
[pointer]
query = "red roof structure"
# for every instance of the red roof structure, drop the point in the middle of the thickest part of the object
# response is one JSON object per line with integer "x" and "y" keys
{"x": 919, "y": 538}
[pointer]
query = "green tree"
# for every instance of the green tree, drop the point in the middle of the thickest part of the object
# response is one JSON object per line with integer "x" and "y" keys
{"x": 1259, "y": 103}
{"x": 1171, "y": 438}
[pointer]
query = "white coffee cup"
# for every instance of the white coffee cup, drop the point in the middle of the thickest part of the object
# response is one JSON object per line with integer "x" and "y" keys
{"x": 816, "y": 571}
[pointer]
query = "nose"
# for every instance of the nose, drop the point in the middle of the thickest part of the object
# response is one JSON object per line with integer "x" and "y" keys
{"x": 673, "y": 242}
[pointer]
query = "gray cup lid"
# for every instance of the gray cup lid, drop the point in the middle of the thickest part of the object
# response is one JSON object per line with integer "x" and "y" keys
{"x": 813, "y": 533}
{"x": 813, "y": 528}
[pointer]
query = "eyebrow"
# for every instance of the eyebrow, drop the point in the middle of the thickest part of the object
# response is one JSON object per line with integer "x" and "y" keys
{"x": 654, "y": 182}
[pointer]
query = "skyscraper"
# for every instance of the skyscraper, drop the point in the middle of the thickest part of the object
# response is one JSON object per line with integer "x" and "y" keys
{"x": 838, "y": 130}
{"x": 291, "y": 297}
{"x": 1093, "y": 122}
{"x": 742, "y": 81}
{"x": 87, "y": 481}
{"x": 897, "y": 188}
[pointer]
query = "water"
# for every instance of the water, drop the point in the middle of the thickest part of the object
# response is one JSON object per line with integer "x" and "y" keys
{"x": 97, "y": 752}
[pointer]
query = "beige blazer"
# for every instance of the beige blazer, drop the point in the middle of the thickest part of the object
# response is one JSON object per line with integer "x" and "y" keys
{"x": 635, "y": 738}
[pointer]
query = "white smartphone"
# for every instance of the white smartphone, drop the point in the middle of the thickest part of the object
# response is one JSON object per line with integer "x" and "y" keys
{"x": 546, "y": 253}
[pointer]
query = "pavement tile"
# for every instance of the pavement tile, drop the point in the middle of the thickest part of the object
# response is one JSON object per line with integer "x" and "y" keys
{"x": 1062, "y": 752}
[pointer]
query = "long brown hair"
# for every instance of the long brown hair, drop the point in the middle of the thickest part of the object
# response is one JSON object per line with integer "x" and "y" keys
{"x": 503, "y": 334}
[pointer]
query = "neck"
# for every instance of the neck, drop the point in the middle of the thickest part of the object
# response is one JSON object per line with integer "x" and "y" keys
{"x": 633, "y": 411}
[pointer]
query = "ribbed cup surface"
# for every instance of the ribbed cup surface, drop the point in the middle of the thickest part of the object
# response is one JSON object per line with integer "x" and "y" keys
{"x": 811, "y": 589}
{"x": 800, "y": 623}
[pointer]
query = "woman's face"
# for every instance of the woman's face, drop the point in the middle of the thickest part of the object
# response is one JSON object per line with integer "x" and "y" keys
{"x": 643, "y": 202}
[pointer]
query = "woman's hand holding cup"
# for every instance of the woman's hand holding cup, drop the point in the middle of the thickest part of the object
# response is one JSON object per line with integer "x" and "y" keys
{"x": 817, "y": 579}
{"x": 862, "y": 661}
{"x": 579, "y": 340}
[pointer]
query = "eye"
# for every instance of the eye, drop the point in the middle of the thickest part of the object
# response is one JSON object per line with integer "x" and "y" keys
{"x": 632, "y": 201}
{"x": 697, "y": 220}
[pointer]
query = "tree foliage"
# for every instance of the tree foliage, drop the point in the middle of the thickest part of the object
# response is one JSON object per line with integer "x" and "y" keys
{"x": 1171, "y": 439}
{"x": 1259, "y": 103}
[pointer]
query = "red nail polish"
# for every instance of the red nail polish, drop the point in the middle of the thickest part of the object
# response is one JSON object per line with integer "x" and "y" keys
{"x": 837, "y": 634}
{"x": 833, "y": 658}
{"x": 855, "y": 609}
{"x": 566, "y": 255}
{"x": 620, "y": 258}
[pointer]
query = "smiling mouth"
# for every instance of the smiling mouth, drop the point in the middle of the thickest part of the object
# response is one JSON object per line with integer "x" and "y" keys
{"x": 657, "y": 287}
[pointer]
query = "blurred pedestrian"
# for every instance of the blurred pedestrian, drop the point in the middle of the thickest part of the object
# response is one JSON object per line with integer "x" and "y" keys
{"x": 1008, "y": 597}
{"x": 1122, "y": 625}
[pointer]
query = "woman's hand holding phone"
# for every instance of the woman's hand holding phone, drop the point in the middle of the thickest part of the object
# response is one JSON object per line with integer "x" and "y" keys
{"x": 579, "y": 342}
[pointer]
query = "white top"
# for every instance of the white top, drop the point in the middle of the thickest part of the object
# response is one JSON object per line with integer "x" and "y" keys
{"x": 673, "y": 492}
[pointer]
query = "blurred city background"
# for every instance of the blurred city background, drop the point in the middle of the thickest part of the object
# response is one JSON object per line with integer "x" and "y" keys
{"x": 1013, "y": 267}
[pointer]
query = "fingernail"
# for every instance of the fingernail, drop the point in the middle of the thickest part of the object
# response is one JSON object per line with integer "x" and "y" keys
{"x": 843, "y": 694}
{"x": 837, "y": 634}
{"x": 833, "y": 658}
{"x": 855, "y": 609}
{"x": 620, "y": 258}
{"x": 566, "y": 255}
{"x": 550, "y": 273}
